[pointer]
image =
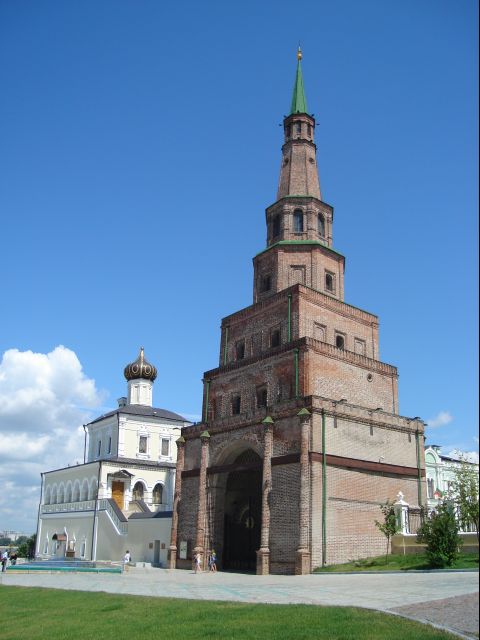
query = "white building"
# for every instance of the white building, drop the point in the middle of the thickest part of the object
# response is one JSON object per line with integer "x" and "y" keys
{"x": 122, "y": 496}
{"x": 440, "y": 472}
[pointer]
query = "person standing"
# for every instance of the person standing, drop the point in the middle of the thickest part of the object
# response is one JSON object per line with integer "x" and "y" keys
{"x": 197, "y": 561}
{"x": 127, "y": 558}
{"x": 4, "y": 561}
{"x": 213, "y": 561}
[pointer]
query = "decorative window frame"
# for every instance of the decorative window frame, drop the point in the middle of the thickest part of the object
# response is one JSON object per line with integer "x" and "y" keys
{"x": 143, "y": 434}
{"x": 162, "y": 456}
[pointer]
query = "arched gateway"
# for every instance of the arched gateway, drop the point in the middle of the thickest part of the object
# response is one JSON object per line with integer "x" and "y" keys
{"x": 241, "y": 513}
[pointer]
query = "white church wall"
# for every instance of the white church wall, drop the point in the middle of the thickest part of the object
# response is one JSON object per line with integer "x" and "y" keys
{"x": 77, "y": 527}
{"x": 144, "y": 535}
{"x": 111, "y": 545}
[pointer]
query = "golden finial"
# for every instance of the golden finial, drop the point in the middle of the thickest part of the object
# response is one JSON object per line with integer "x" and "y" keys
{"x": 299, "y": 53}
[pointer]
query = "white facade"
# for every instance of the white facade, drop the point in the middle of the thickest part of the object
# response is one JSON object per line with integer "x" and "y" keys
{"x": 122, "y": 496}
{"x": 440, "y": 473}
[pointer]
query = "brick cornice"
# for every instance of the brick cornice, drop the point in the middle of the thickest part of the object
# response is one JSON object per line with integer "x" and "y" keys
{"x": 324, "y": 348}
{"x": 366, "y": 465}
{"x": 314, "y": 456}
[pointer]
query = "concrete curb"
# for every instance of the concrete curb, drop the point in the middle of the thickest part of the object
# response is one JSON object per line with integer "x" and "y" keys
{"x": 376, "y": 573}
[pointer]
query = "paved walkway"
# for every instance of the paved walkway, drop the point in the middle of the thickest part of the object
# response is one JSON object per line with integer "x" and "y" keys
{"x": 396, "y": 592}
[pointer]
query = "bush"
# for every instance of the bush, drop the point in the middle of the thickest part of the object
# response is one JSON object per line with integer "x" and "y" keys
{"x": 440, "y": 533}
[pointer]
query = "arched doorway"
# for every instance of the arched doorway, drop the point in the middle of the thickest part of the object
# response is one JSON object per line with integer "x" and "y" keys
{"x": 243, "y": 513}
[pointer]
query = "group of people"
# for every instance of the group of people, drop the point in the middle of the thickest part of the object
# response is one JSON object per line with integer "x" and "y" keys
{"x": 212, "y": 562}
{"x": 5, "y": 557}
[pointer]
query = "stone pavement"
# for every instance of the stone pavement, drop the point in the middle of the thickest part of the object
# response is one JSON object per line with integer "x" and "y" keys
{"x": 413, "y": 594}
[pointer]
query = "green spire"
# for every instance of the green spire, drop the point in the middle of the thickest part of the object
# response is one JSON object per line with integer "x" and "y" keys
{"x": 299, "y": 102}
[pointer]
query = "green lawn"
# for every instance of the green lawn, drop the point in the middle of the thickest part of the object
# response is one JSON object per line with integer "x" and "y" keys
{"x": 48, "y": 614}
{"x": 398, "y": 563}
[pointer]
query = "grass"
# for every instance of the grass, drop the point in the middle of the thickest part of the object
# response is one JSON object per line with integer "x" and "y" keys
{"x": 38, "y": 614}
{"x": 398, "y": 563}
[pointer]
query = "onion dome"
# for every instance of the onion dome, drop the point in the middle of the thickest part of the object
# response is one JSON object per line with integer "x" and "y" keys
{"x": 140, "y": 369}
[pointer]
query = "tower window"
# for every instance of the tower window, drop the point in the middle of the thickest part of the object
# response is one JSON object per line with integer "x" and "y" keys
{"x": 275, "y": 338}
{"x": 340, "y": 341}
{"x": 298, "y": 128}
{"x": 240, "y": 349}
{"x": 329, "y": 282}
{"x": 265, "y": 283}
{"x": 309, "y": 130}
{"x": 321, "y": 225}
{"x": 276, "y": 226}
{"x": 236, "y": 405}
{"x": 261, "y": 397}
{"x": 99, "y": 448}
{"x": 288, "y": 131}
{"x": 298, "y": 221}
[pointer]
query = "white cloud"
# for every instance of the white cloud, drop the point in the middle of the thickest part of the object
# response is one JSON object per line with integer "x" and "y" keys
{"x": 469, "y": 456}
{"x": 440, "y": 420}
{"x": 44, "y": 400}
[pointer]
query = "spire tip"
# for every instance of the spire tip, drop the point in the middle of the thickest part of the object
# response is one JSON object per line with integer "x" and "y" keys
{"x": 299, "y": 53}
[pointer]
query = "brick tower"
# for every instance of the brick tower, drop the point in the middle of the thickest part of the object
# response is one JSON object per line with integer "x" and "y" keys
{"x": 301, "y": 439}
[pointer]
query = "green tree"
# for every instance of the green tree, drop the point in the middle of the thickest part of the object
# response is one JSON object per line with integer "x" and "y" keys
{"x": 464, "y": 494}
{"x": 389, "y": 525}
{"x": 27, "y": 549}
{"x": 440, "y": 533}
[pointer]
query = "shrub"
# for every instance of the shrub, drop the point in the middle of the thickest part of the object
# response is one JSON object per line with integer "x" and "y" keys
{"x": 440, "y": 533}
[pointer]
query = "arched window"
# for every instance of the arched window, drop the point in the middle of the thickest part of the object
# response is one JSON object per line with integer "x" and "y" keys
{"x": 93, "y": 492}
{"x": 298, "y": 221}
{"x": 276, "y": 226}
{"x": 287, "y": 131}
{"x": 157, "y": 495}
{"x": 321, "y": 225}
{"x": 329, "y": 282}
{"x": 138, "y": 491}
{"x": 84, "y": 493}
{"x": 339, "y": 341}
{"x": 54, "y": 495}
{"x": 61, "y": 495}
{"x": 298, "y": 128}
{"x": 76, "y": 493}
{"x": 48, "y": 496}
{"x": 68, "y": 493}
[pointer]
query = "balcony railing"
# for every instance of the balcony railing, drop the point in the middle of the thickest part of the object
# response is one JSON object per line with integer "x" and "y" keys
{"x": 64, "y": 507}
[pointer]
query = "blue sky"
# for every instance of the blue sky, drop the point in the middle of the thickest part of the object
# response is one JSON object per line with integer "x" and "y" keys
{"x": 140, "y": 147}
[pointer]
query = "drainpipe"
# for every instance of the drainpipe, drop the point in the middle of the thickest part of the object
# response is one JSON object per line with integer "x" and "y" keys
{"x": 84, "y": 443}
{"x": 93, "y": 554}
{"x": 289, "y": 330}
{"x": 225, "y": 347}
{"x": 324, "y": 494}
{"x": 295, "y": 353}
{"x": 207, "y": 393}
{"x": 419, "y": 467}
